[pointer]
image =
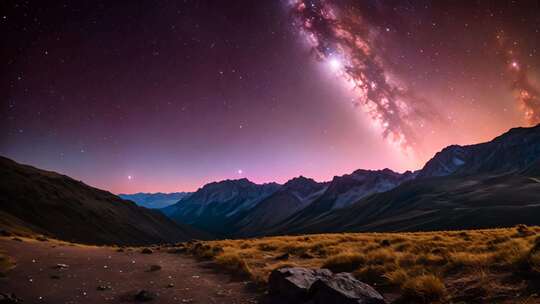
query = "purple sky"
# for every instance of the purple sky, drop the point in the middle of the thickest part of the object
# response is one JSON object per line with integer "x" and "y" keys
{"x": 167, "y": 96}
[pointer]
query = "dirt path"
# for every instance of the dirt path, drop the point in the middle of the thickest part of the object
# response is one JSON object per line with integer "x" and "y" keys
{"x": 37, "y": 278}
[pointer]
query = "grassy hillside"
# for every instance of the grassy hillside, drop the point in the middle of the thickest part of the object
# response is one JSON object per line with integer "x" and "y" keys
{"x": 484, "y": 266}
{"x": 49, "y": 203}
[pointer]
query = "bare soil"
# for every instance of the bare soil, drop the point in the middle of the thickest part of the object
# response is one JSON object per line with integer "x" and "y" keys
{"x": 105, "y": 275}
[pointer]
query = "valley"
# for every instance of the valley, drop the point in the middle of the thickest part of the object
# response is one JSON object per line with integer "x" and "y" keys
{"x": 463, "y": 229}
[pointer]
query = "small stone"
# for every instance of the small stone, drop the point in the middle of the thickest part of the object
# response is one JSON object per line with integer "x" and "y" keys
{"x": 154, "y": 268}
{"x": 145, "y": 296}
{"x": 170, "y": 285}
{"x": 55, "y": 277}
{"x": 61, "y": 266}
{"x": 17, "y": 239}
{"x": 104, "y": 287}
{"x": 147, "y": 251}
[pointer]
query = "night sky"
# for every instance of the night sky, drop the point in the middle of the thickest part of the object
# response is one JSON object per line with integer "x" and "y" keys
{"x": 168, "y": 95}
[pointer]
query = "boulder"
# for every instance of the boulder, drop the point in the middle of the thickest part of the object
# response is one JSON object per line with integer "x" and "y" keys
{"x": 293, "y": 283}
{"x": 319, "y": 286}
{"x": 343, "y": 288}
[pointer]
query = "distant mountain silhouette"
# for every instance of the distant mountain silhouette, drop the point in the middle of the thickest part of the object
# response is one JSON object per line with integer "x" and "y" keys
{"x": 155, "y": 200}
{"x": 57, "y": 205}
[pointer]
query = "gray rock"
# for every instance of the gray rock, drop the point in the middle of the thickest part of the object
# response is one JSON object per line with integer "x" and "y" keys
{"x": 319, "y": 286}
{"x": 343, "y": 288}
{"x": 293, "y": 283}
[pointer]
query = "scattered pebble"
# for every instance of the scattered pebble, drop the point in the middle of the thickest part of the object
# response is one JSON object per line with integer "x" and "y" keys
{"x": 154, "y": 268}
{"x": 9, "y": 298}
{"x": 61, "y": 266}
{"x": 104, "y": 287}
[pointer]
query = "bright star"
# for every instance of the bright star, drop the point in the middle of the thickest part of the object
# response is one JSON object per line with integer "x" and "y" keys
{"x": 335, "y": 64}
{"x": 515, "y": 65}
{"x": 240, "y": 171}
{"x": 130, "y": 177}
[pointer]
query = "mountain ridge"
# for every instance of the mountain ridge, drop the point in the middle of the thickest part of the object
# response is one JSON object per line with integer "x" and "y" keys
{"x": 62, "y": 207}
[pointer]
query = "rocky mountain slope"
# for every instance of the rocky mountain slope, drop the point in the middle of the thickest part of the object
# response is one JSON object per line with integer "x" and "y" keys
{"x": 493, "y": 184}
{"x": 217, "y": 206}
{"x": 513, "y": 151}
{"x": 57, "y": 205}
{"x": 343, "y": 191}
{"x": 295, "y": 195}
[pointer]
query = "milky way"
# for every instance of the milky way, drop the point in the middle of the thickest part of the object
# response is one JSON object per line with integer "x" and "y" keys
{"x": 526, "y": 93}
{"x": 346, "y": 36}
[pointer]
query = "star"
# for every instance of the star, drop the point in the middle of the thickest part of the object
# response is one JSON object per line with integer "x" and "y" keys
{"x": 130, "y": 177}
{"x": 515, "y": 65}
{"x": 335, "y": 64}
{"x": 240, "y": 171}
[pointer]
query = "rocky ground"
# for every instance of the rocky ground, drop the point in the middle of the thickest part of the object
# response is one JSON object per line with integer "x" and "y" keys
{"x": 55, "y": 272}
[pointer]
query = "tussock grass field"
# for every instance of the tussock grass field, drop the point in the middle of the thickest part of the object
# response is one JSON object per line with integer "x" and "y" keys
{"x": 474, "y": 266}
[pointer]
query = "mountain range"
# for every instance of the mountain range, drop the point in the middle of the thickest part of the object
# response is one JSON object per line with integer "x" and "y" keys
{"x": 492, "y": 184}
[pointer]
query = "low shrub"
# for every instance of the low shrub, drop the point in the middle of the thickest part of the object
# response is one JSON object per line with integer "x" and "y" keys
{"x": 233, "y": 262}
{"x": 424, "y": 289}
{"x": 344, "y": 262}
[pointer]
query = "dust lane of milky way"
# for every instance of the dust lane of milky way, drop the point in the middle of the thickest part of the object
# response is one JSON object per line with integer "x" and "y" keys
{"x": 168, "y": 96}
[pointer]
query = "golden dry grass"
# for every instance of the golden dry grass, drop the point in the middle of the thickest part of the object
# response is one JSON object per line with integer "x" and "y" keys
{"x": 427, "y": 266}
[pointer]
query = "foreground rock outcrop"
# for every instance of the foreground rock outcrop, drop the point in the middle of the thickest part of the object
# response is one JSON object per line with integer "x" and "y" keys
{"x": 318, "y": 286}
